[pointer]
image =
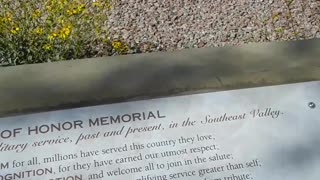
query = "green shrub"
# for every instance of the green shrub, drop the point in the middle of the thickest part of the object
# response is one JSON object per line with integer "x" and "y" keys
{"x": 54, "y": 30}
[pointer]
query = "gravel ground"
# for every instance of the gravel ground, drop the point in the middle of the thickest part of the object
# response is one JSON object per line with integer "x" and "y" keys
{"x": 166, "y": 25}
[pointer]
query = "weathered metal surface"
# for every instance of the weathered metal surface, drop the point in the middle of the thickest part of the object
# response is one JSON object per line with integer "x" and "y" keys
{"x": 257, "y": 133}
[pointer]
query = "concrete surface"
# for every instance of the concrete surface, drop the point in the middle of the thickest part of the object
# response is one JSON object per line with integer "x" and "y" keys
{"x": 53, "y": 86}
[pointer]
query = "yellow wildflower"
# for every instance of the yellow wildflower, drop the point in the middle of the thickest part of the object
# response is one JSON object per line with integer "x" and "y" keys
{"x": 36, "y": 13}
{"x": 52, "y": 36}
{"x": 47, "y": 47}
{"x": 65, "y": 32}
{"x": 116, "y": 44}
{"x": 62, "y": 2}
{"x": 38, "y": 31}
{"x": 76, "y": 10}
{"x": 49, "y": 8}
{"x": 61, "y": 20}
{"x": 72, "y": 11}
{"x": 80, "y": 8}
{"x": 14, "y": 30}
{"x": 6, "y": 19}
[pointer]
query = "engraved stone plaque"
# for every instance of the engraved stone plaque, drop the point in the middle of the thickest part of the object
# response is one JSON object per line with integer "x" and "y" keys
{"x": 266, "y": 133}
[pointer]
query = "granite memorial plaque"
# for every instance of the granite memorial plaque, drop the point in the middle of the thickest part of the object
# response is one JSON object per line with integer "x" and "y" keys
{"x": 249, "y": 134}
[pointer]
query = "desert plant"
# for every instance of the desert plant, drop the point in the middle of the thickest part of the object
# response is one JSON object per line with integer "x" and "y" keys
{"x": 54, "y": 30}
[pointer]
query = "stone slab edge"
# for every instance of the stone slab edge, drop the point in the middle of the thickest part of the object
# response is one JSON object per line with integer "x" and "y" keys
{"x": 70, "y": 84}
